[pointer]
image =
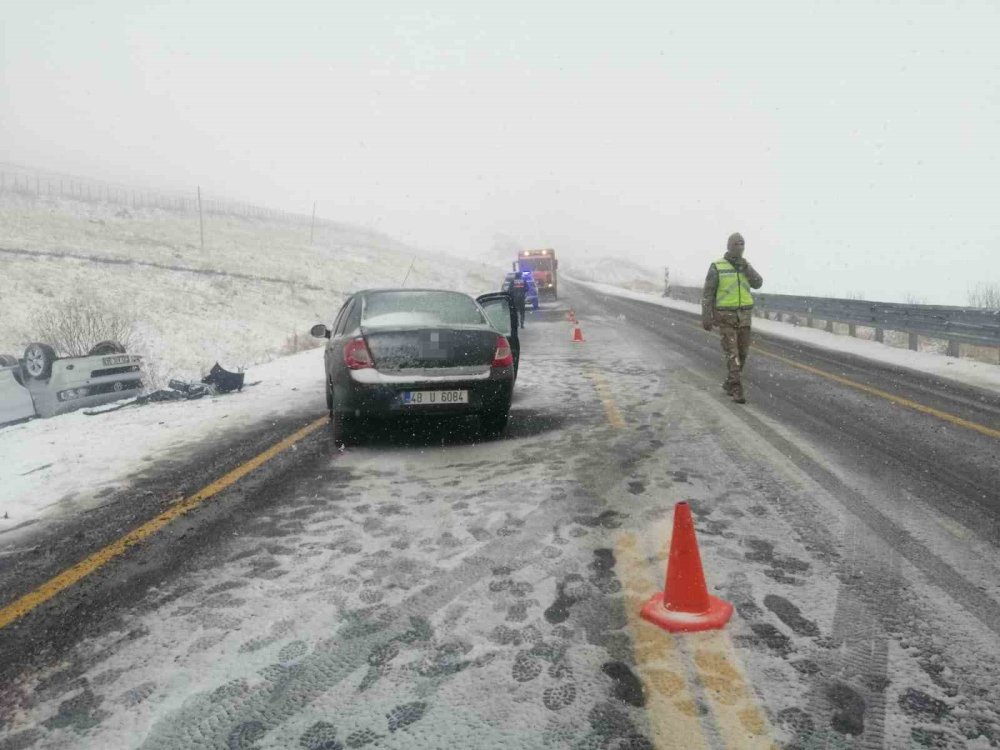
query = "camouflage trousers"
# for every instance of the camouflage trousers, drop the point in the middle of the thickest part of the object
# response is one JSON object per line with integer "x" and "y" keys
{"x": 736, "y": 345}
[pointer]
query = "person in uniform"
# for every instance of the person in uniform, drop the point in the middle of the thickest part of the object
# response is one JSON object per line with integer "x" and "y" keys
{"x": 727, "y": 302}
{"x": 519, "y": 294}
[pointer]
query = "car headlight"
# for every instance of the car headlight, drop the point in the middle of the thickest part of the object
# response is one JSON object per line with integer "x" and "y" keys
{"x": 73, "y": 393}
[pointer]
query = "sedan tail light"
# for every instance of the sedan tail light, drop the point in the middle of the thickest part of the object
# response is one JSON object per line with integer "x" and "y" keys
{"x": 503, "y": 357}
{"x": 356, "y": 354}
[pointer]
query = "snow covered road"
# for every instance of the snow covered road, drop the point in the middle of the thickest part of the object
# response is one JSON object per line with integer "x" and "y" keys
{"x": 429, "y": 590}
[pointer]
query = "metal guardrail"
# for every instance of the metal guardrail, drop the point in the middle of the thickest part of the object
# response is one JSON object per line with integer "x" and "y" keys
{"x": 956, "y": 325}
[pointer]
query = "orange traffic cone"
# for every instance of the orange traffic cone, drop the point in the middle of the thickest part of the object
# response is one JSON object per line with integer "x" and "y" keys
{"x": 577, "y": 335}
{"x": 685, "y": 606}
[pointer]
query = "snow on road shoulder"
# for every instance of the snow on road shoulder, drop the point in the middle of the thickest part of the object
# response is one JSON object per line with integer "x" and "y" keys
{"x": 55, "y": 467}
{"x": 968, "y": 372}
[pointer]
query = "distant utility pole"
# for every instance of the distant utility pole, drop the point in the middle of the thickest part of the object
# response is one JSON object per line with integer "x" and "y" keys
{"x": 312, "y": 227}
{"x": 201, "y": 221}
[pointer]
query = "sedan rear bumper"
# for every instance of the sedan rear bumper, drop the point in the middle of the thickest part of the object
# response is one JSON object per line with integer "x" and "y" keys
{"x": 379, "y": 394}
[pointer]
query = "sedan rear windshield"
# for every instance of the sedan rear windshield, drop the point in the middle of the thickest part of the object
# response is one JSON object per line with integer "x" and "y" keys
{"x": 418, "y": 308}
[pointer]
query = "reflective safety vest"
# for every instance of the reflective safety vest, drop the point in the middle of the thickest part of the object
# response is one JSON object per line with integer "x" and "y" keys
{"x": 734, "y": 288}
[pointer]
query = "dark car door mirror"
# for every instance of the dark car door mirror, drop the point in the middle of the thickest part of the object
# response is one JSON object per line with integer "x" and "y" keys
{"x": 320, "y": 331}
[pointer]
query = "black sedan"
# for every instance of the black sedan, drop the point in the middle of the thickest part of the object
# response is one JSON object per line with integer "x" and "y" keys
{"x": 398, "y": 352}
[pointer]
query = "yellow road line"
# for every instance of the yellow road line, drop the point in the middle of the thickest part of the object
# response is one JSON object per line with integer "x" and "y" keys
{"x": 664, "y": 659}
{"x": 610, "y": 408}
{"x": 956, "y": 530}
{"x": 982, "y": 429}
{"x": 915, "y": 406}
{"x": 739, "y": 718}
{"x": 20, "y": 607}
{"x": 670, "y": 705}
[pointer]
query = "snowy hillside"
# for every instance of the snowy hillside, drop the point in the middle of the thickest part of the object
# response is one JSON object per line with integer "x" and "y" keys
{"x": 616, "y": 272}
{"x": 250, "y": 296}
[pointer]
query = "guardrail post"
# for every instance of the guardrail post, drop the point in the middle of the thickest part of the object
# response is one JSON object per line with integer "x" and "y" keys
{"x": 852, "y": 330}
{"x": 880, "y": 335}
{"x": 913, "y": 342}
{"x": 809, "y": 320}
{"x": 829, "y": 326}
{"x": 954, "y": 348}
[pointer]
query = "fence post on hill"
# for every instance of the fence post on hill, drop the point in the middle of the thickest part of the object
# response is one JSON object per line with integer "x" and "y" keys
{"x": 201, "y": 221}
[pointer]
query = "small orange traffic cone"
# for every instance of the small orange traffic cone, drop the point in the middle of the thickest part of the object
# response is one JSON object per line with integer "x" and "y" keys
{"x": 685, "y": 606}
{"x": 577, "y": 335}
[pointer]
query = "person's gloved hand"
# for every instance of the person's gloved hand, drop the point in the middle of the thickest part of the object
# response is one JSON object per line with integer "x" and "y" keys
{"x": 707, "y": 325}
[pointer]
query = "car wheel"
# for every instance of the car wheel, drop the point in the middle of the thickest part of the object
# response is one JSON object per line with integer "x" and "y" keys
{"x": 493, "y": 423}
{"x": 106, "y": 347}
{"x": 343, "y": 429}
{"x": 8, "y": 360}
{"x": 38, "y": 359}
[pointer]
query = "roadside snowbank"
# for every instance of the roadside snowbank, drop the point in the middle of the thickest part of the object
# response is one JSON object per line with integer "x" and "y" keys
{"x": 968, "y": 372}
{"x": 64, "y": 465}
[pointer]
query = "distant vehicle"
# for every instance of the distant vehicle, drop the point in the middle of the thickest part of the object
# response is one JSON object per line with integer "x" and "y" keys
{"x": 531, "y": 294}
{"x": 544, "y": 267}
{"x": 532, "y": 287}
{"x": 508, "y": 280}
{"x": 44, "y": 385}
{"x": 395, "y": 352}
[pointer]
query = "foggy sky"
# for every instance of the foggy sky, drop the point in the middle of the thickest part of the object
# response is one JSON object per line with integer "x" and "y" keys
{"x": 854, "y": 144}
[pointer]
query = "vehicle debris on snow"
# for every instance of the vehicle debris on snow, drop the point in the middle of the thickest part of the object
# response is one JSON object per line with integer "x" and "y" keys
{"x": 218, "y": 380}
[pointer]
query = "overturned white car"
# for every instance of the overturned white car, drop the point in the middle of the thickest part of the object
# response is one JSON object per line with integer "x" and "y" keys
{"x": 42, "y": 384}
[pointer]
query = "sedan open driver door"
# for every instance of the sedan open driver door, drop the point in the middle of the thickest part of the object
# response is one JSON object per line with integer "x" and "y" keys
{"x": 499, "y": 309}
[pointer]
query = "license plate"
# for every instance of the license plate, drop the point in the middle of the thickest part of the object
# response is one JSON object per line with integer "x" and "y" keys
{"x": 434, "y": 398}
{"x": 121, "y": 359}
